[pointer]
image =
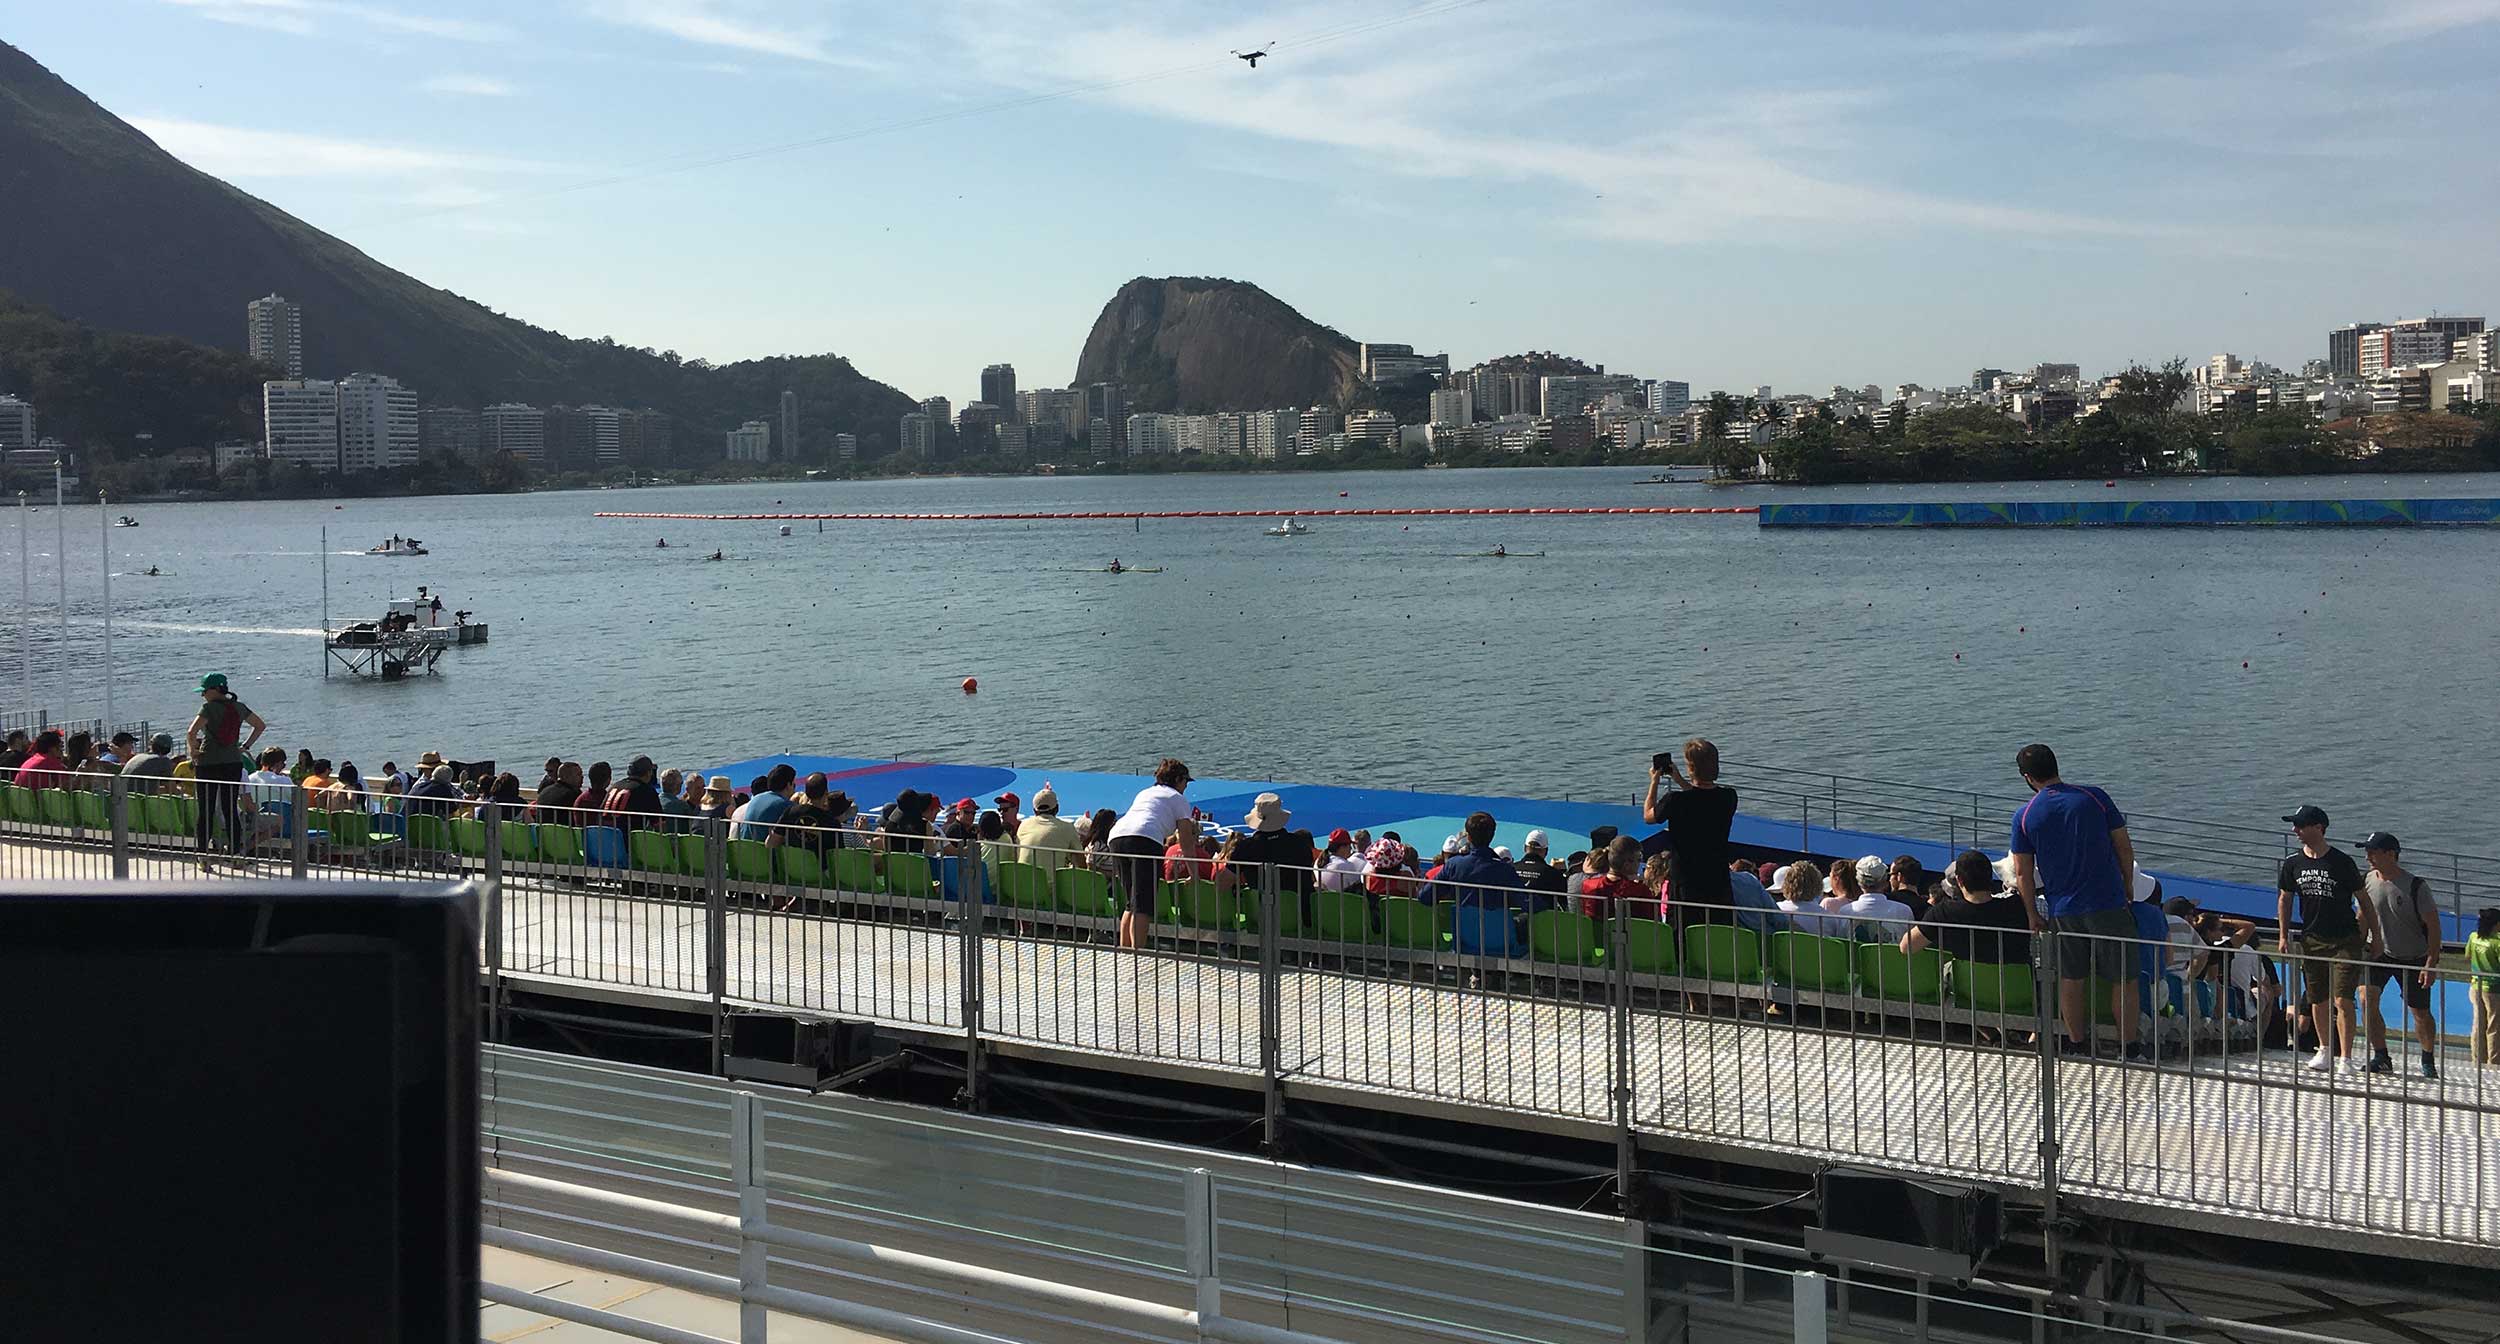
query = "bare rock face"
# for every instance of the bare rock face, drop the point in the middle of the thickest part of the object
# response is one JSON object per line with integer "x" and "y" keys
{"x": 1196, "y": 344}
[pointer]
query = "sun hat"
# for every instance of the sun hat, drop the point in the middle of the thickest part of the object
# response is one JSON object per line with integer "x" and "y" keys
{"x": 429, "y": 760}
{"x": 1779, "y": 877}
{"x": 1267, "y": 813}
{"x": 214, "y": 681}
{"x": 1385, "y": 853}
{"x": 717, "y": 784}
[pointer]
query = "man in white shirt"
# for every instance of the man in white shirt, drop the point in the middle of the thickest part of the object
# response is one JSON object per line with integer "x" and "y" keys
{"x": 1341, "y": 868}
{"x": 270, "y": 783}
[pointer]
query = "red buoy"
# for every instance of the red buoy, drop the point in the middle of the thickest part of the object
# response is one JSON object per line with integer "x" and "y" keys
{"x": 972, "y": 686}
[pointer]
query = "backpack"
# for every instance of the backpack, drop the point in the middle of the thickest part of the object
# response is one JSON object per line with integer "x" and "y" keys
{"x": 225, "y": 722}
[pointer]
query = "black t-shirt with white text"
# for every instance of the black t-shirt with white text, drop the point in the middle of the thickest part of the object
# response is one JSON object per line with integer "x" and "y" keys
{"x": 2325, "y": 887}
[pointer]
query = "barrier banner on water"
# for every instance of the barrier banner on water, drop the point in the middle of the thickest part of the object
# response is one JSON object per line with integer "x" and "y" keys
{"x": 2143, "y": 513}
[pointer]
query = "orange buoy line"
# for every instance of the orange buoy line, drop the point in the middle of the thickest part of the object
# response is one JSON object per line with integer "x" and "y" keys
{"x": 1192, "y": 513}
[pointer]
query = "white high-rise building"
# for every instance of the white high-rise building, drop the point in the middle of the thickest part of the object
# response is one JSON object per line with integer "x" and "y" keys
{"x": 516, "y": 428}
{"x": 1669, "y": 397}
{"x": 274, "y": 333}
{"x": 1378, "y": 427}
{"x": 300, "y": 418}
{"x": 17, "y": 423}
{"x": 918, "y": 435}
{"x": 377, "y": 423}
{"x": 751, "y": 442}
{"x": 845, "y": 447}
{"x": 1150, "y": 432}
{"x": 607, "y": 436}
{"x": 1268, "y": 435}
{"x": 1453, "y": 406}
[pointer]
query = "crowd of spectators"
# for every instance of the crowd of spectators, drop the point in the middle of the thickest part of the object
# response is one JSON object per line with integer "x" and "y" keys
{"x": 2069, "y": 879}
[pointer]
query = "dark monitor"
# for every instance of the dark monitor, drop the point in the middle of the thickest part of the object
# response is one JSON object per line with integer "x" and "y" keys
{"x": 239, "y": 1112}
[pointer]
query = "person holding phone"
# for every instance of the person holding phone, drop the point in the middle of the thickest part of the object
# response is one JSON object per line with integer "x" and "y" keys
{"x": 1697, "y": 814}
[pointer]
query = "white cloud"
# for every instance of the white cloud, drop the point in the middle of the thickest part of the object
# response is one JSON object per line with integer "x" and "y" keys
{"x": 1692, "y": 164}
{"x": 304, "y": 17}
{"x": 470, "y": 86}
{"x": 733, "y": 26}
{"x": 237, "y": 151}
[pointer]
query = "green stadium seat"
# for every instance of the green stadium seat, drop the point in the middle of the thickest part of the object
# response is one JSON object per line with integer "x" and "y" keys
{"x": 652, "y": 851}
{"x": 171, "y": 816}
{"x": 1343, "y": 916}
{"x": 854, "y": 870}
{"x": 1407, "y": 922}
{"x": 1649, "y": 947}
{"x": 1564, "y": 937}
{"x": 518, "y": 840}
{"x": 1200, "y": 904}
{"x": 750, "y": 861}
{"x": 1884, "y": 972}
{"x": 23, "y": 806}
{"x": 59, "y": 808}
{"x": 1818, "y": 965}
{"x": 94, "y": 810}
{"x": 1082, "y": 891}
{"x": 560, "y": 845}
{"x": 1025, "y": 886}
{"x": 694, "y": 854}
{"x": 800, "y": 866}
{"x": 468, "y": 837}
{"x": 1990, "y": 988}
{"x": 430, "y": 834}
{"x": 1723, "y": 952}
{"x": 910, "y": 876}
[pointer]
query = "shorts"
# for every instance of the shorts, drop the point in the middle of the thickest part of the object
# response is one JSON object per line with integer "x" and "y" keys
{"x": 1141, "y": 864}
{"x": 2407, "y": 973}
{"x": 2330, "y": 968}
{"x": 2095, "y": 945}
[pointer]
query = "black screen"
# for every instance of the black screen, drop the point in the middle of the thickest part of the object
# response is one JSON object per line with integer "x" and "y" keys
{"x": 238, "y": 1119}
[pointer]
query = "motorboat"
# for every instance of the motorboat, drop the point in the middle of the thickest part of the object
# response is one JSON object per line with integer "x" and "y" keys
{"x": 422, "y": 619}
{"x": 399, "y": 546}
{"x": 1290, "y": 528}
{"x": 125, "y": 521}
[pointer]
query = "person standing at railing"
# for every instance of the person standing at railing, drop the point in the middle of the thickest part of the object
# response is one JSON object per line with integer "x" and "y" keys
{"x": 2409, "y": 937}
{"x": 1158, "y": 816}
{"x": 2482, "y": 957}
{"x": 220, "y": 742}
{"x": 2339, "y": 933}
{"x": 2073, "y": 866}
{"x": 1697, "y": 814}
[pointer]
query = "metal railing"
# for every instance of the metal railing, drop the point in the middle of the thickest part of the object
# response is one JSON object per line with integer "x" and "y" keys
{"x": 1714, "y": 1026}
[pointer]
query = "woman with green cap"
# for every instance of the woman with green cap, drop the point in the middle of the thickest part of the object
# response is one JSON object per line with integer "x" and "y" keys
{"x": 220, "y": 742}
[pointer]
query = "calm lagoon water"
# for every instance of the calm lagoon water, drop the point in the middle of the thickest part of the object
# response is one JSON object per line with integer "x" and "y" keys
{"x": 1379, "y": 651}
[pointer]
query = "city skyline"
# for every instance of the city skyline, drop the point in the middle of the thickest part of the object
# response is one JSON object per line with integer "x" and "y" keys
{"x": 1783, "y": 197}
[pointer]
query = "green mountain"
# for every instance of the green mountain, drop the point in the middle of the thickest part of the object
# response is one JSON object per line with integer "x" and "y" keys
{"x": 1194, "y": 344}
{"x": 100, "y": 386}
{"x": 103, "y": 227}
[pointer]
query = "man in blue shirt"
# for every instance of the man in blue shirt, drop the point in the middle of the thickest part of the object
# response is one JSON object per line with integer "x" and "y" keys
{"x": 1479, "y": 882}
{"x": 765, "y": 809}
{"x": 2073, "y": 866}
{"x": 1755, "y": 909}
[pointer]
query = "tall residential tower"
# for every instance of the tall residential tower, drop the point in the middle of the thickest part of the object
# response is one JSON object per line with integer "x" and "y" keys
{"x": 274, "y": 333}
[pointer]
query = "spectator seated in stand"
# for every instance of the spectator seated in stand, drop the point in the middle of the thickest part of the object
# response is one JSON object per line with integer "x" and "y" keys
{"x": 1874, "y": 917}
{"x": 1755, "y": 908}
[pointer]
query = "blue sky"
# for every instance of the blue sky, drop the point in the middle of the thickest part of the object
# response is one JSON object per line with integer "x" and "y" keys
{"x": 1733, "y": 193}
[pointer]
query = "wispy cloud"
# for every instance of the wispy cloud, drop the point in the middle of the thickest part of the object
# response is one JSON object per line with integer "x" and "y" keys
{"x": 2408, "y": 20}
{"x": 1778, "y": 164}
{"x": 469, "y": 86}
{"x": 304, "y": 17}
{"x": 732, "y": 26}
{"x": 237, "y": 151}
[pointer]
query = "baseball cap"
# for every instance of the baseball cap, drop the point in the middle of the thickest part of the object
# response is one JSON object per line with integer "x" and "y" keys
{"x": 1501, "y": 852}
{"x": 2307, "y": 814}
{"x": 1456, "y": 844}
{"x": 124, "y": 735}
{"x": 161, "y": 743}
{"x": 1008, "y": 800}
{"x": 214, "y": 681}
{"x": 1535, "y": 840}
{"x": 966, "y": 805}
{"x": 1341, "y": 836}
{"x": 2381, "y": 840}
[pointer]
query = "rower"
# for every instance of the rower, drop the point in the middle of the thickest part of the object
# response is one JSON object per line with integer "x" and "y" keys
{"x": 1115, "y": 566}
{"x": 715, "y": 555}
{"x": 1498, "y": 552}
{"x": 662, "y": 543}
{"x": 152, "y": 572}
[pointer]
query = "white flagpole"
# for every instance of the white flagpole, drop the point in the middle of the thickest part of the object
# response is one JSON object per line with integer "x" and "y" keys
{"x": 60, "y": 565}
{"x": 104, "y": 534}
{"x": 325, "y": 602}
{"x": 25, "y": 605}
